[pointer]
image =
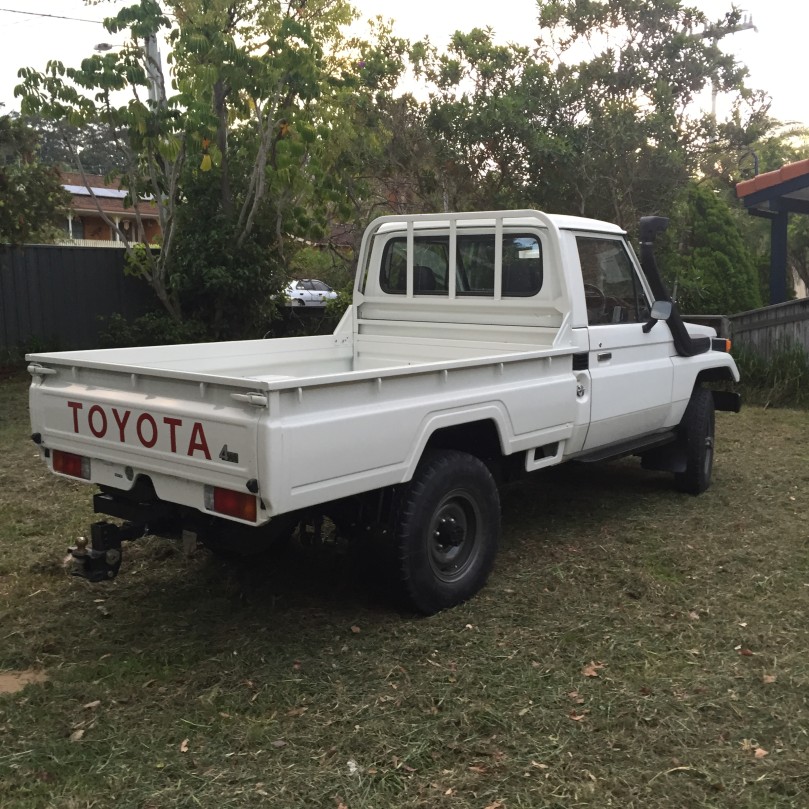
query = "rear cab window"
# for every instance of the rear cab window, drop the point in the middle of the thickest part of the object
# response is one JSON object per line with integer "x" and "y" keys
{"x": 522, "y": 272}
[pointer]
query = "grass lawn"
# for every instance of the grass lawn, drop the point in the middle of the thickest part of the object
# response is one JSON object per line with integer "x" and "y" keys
{"x": 635, "y": 647}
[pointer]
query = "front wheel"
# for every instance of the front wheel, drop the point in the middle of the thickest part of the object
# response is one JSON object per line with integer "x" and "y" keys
{"x": 697, "y": 440}
{"x": 447, "y": 531}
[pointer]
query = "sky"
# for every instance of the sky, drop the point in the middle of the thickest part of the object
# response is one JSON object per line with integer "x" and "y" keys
{"x": 774, "y": 53}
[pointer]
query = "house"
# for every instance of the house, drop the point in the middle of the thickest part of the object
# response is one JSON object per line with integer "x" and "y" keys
{"x": 85, "y": 224}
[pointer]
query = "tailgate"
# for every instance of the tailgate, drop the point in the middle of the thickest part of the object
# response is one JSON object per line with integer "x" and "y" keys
{"x": 184, "y": 435}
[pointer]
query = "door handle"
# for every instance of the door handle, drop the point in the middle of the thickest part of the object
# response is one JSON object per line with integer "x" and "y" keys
{"x": 607, "y": 355}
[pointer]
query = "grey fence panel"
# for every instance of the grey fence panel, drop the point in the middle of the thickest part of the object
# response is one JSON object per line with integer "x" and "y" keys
{"x": 53, "y": 296}
{"x": 764, "y": 330}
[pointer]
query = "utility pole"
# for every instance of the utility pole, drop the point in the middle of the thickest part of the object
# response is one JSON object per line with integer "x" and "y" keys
{"x": 154, "y": 70}
{"x": 717, "y": 32}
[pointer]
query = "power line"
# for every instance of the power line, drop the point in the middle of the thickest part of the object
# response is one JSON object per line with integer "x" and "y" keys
{"x": 53, "y": 16}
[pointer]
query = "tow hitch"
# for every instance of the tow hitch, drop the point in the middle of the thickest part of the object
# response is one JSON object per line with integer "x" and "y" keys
{"x": 102, "y": 560}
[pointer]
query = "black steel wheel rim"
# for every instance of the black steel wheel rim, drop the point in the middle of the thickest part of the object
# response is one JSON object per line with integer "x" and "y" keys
{"x": 454, "y": 535}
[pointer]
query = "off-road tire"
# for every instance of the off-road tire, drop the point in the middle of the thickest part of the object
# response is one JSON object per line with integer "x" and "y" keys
{"x": 697, "y": 440}
{"x": 446, "y": 531}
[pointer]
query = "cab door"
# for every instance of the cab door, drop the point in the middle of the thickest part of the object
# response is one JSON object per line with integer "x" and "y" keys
{"x": 631, "y": 373}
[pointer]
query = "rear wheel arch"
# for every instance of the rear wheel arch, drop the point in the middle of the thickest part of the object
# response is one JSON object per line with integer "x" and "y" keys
{"x": 480, "y": 438}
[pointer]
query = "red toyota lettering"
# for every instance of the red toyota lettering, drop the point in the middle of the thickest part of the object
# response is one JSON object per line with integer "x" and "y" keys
{"x": 121, "y": 422}
{"x": 98, "y": 432}
{"x": 76, "y": 406}
{"x": 145, "y": 417}
{"x": 173, "y": 425}
{"x": 198, "y": 441}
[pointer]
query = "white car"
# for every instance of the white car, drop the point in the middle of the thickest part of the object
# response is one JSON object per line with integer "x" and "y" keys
{"x": 308, "y": 292}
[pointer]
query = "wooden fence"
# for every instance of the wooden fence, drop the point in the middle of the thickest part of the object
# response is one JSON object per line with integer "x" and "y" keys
{"x": 52, "y": 297}
{"x": 764, "y": 330}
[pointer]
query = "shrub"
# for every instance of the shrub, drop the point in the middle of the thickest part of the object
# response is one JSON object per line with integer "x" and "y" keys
{"x": 780, "y": 380}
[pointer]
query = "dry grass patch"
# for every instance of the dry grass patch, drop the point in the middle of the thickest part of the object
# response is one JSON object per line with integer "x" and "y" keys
{"x": 635, "y": 647}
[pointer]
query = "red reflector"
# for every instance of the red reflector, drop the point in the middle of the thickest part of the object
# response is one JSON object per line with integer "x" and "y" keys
{"x": 234, "y": 504}
{"x": 67, "y": 463}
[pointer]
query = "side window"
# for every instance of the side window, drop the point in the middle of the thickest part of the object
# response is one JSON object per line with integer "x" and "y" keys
{"x": 612, "y": 290}
{"x": 319, "y": 286}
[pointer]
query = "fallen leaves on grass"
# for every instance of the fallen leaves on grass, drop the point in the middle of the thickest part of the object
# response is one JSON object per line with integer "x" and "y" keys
{"x": 92, "y": 705}
{"x": 355, "y": 629}
{"x": 592, "y": 669}
{"x": 184, "y": 746}
{"x": 768, "y": 679}
{"x": 575, "y": 697}
{"x": 578, "y": 717}
{"x": 760, "y": 752}
{"x": 77, "y": 735}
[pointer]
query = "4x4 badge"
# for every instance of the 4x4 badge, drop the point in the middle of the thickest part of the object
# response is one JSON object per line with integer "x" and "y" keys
{"x": 230, "y": 457}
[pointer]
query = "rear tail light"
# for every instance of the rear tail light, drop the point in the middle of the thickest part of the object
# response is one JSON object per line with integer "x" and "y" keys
{"x": 233, "y": 504}
{"x": 66, "y": 463}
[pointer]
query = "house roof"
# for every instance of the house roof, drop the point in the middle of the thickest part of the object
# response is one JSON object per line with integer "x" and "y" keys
{"x": 787, "y": 187}
{"x": 110, "y": 197}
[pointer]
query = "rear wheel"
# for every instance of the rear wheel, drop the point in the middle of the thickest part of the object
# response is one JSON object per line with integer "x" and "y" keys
{"x": 447, "y": 531}
{"x": 697, "y": 440}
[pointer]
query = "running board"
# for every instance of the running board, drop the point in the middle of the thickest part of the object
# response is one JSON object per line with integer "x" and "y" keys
{"x": 623, "y": 448}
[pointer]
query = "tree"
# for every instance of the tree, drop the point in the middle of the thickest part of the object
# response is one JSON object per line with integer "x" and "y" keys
{"x": 32, "y": 200}
{"x": 58, "y": 141}
{"x": 240, "y": 154}
{"x": 613, "y": 136}
{"x": 711, "y": 269}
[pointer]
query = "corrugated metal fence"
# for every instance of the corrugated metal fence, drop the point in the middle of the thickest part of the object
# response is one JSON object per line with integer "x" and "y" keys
{"x": 765, "y": 330}
{"x": 51, "y": 297}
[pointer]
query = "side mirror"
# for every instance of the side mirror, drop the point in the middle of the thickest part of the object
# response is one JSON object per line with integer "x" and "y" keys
{"x": 661, "y": 310}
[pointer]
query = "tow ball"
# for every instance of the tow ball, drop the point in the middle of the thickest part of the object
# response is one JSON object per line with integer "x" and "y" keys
{"x": 102, "y": 559}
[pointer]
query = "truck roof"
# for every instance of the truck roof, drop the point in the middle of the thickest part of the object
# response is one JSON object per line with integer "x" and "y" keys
{"x": 564, "y": 222}
{"x": 561, "y": 221}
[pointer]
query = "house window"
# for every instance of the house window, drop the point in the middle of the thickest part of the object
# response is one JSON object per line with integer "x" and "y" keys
{"x": 76, "y": 230}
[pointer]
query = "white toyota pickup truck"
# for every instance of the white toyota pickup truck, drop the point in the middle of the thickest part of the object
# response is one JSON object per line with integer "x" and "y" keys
{"x": 479, "y": 346}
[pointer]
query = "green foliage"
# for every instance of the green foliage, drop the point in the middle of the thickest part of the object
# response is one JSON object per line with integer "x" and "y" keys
{"x": 780, "y": 380}
{"x": 710, "y": 266}
{"x": 249, "y": 149}
{"x": 155, "y": 328}
{"x": 32, "y": 200}
{"x": 221, "y": 282}
{"x": 61, "y": 145}
{"x": 613, "y": 136}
